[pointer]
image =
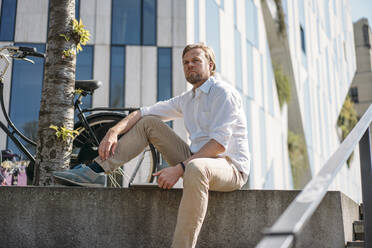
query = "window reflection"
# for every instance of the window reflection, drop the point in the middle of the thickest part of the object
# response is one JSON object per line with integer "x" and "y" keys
{"x": 196, "y": 24}
{"x": 164, "y": 74}
{"x": 117, "y": 76}
{"x": 84, "y": 71}
{"x": 7, "y": 21}
{"x": 165, "y": 81}
{"x": 250, "y": 70}
{"x": 263, "y": 145}
{"x": 270, "y": 80}
{"x": 77, "y": 9}
{"x": 149, "y": 22}
{"x": 126, "y": 22}
{"x": 133, "y": 22}
{"x": 213, "y": 29}
{"x": 238, "y": 60}
{"x": 251, "y": 22}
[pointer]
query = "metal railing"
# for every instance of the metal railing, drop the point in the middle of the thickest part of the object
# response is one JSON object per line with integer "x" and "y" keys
{"x": 282, "y": 234}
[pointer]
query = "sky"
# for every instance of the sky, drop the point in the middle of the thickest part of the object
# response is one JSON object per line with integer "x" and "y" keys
{"x": 361, "y": 8}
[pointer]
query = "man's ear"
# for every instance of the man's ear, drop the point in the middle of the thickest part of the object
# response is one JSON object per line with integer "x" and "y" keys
{"x": 210, "y": 66}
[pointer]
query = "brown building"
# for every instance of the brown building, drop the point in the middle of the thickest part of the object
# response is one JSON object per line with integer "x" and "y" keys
{"x": 361, "y": 88}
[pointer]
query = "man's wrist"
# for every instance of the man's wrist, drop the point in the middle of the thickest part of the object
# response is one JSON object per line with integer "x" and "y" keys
{"x": 113, "y": 131}
{"x": 183, "y": 166}
{"x": 180, "y": 169}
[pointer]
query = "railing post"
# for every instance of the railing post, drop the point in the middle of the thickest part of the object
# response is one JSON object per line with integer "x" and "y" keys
{"x": 366, "y": 176}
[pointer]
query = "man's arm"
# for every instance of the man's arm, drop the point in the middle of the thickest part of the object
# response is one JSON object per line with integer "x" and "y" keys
{"x": 110, "y": 141}
{"x": 169, "y": 176}
{"x": 210, "y": 150}
{"x": 165, "y": 110}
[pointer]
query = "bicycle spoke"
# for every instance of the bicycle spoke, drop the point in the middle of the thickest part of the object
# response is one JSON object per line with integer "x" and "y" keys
{"x": 123, "y": 173}
{"x": 113, "y": 181}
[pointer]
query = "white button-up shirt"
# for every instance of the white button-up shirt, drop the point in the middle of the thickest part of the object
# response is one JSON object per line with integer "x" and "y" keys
{"x": 213, "y": 111}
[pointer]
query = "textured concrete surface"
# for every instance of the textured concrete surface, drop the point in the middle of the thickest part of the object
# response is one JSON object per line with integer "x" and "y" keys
{"x": 86, "y": 217}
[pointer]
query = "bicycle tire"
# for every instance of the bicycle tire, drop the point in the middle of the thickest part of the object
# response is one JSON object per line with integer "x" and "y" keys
{"x": 84, "y": 150}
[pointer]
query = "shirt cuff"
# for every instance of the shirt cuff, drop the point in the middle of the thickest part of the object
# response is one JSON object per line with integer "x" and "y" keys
{"x": 143, "y": 111}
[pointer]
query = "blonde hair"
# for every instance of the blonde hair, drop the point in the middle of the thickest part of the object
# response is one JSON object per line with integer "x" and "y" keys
{"x": 209, "y": 54}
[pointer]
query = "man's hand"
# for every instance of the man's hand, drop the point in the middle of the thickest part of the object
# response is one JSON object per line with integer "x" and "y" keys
{"x": 168, "y": 177}
{"x": 108, "y": 144}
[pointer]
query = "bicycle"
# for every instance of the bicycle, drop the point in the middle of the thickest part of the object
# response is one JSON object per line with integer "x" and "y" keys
{"x": 92, "y": 128}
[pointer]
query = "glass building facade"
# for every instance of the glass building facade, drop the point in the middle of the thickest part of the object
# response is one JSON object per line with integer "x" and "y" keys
{"x": 7, "y": 21}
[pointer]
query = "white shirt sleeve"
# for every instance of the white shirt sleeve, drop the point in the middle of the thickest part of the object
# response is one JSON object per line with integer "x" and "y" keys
{"x": 225, "y": 112}
{"x": 165, "y": 110}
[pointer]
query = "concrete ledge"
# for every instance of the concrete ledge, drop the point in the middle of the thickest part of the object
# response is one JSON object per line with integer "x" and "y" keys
{"x": 87, "y": 217}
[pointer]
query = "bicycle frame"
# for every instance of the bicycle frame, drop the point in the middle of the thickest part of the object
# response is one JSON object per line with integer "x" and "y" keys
{"x": 84, "y": 120}
{"x": 13, "y": 130}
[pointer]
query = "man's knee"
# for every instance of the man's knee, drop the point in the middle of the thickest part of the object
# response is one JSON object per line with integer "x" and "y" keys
{"x": 148, "y": 120}
{"x": 196, "y": 169}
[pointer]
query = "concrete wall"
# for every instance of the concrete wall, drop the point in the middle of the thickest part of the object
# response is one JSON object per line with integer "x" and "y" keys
{"x": 86, "y": 217}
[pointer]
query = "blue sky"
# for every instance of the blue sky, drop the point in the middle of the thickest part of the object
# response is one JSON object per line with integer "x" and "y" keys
{"x": 361, "y": 8}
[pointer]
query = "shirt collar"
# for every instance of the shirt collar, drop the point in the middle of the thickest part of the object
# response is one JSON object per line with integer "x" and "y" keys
{"x": 206, "y": 86}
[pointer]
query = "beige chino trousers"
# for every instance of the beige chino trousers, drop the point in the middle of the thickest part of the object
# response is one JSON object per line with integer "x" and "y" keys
{"x": 201, "y": 175}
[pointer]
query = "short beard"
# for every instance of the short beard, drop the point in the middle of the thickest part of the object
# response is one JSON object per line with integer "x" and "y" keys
{"x": 194, "y": 79}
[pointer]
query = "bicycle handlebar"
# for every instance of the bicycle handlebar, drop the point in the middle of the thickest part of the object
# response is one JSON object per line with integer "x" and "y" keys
{"x": 21, "y": 52}
{"x": 31, "y": 51}
{"x": 15, "y": 52}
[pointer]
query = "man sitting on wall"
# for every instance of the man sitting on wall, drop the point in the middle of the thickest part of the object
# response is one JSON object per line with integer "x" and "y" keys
{"x": 217, "y": 158}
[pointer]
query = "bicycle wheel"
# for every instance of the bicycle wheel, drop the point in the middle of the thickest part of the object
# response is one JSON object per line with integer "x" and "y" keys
{"x": 84, "y": 150}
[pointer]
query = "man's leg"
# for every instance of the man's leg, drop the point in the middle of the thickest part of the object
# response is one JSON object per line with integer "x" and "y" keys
{"x": 201, "y": 175}
{"x": 148, "y": 129}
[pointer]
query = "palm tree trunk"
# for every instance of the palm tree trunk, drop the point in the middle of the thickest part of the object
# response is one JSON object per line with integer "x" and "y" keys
{"x": 56, "y": 107}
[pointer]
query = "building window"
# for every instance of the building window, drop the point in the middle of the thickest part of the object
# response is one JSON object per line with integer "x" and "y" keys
{"x": 133, "y": 22}
{"x": 213, "y": 29}
{"x": 84, "y": 70}
{"x": 7, "y": 21}
{"x": 196, "y": 24}
{"x": 77, "y": 9}
{"x": 353, "y": 93}
{"x": 235, "y": 13}
{"x": 263, "y": 139}
{"x": 247, "y": 108}
{"x": 27, "y": 80}
{"x": 308, "y": 116}
{"x": 149, "y": 22}
{"x": 164, "y": 74}
{"x": 222, "y": 4}
{"x": 303, "y": 44}
{"x": 250, "y": 70}
{"x": 238, "y": 61}
{"x": 251, "y": 22}
{"x": 366, "y": 32}
{"x": 270, "y": 81}
{"x": 327, "y": 18}
{"x": 117, "y": 76}
{"x": 345, "y": 51}
{"x": 164, "y": 89}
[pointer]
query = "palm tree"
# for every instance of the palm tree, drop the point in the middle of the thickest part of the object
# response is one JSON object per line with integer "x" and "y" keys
{"x": 56, "y": 107}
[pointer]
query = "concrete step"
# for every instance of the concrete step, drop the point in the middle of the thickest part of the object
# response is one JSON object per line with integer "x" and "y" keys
{"x": 111, "y": 217}
{"x": 358, "y": 229}
{"x": 355, "y": 244}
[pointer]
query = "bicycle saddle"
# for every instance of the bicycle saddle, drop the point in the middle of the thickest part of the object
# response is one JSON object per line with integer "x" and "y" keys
{"x": 88, "y": 85}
